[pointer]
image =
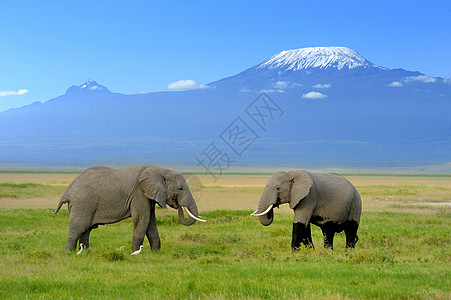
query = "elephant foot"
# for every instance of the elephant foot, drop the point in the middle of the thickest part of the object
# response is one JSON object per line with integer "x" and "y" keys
{"x": 155, "y": 246}
{"x": 137, "y": 242}
{"x": 154, "y": 240}
{"x": 329, "y": 230}
{"x": 301, "y": 236}
{"x": 84, "y": 238}
{"x": 71, "y": 244}
{"x": 70, "y": 248}
{"x": 306, "y": 244}
{"x": 350, "y": 228}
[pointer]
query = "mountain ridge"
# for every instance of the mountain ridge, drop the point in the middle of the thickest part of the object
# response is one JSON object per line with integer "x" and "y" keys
{"x": 89, "y": 86}
{"x": 305, "y": 66}
{"x": 356, "y": 117}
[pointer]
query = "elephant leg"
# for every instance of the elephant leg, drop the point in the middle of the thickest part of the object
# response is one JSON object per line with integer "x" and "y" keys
{"x": 350, "y": 228}
{"x": 139, "y": 231}
{"x": 328, "y": 230}
{"x": 77, "y": 227}
{"x": 308, "y": 242}
{"x": 152, "y": 230}
{"x": 141, "y": 219}
{"x": 71, "y": 244}
{"x": 301, "y": 235}
{"x": 84, "y": 238}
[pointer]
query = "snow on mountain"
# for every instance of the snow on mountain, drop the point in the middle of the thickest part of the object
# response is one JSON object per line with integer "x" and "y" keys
{"x": 90, "y": 85}
{"x": 317, "y": 57}
{"x": 309, "y": 67}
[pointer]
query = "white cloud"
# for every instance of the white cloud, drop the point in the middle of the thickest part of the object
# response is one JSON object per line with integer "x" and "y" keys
{"x": 13, "y": 93}
{"x": 185, "y": 85}
{"x": 395, "y": 84}
{"x": 322, "y": 86}
{"x": 421, "y": 78}
{"x": 281, "y": 85}
{"x": 314, "y": 95}
{"x": 272, "y": 91}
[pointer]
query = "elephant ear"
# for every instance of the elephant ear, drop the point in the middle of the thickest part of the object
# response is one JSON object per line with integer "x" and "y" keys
{"x": 153, "y": 185}
{"x": 301, "y": 184}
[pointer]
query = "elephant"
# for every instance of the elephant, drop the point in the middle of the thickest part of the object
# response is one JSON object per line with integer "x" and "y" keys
{"x": 329, "y": 201}
{"x": 102, "y": 195}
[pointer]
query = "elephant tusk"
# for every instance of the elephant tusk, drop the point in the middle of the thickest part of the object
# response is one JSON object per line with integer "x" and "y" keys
{"x": 191, "y": 215}
{"x": 263, "y": 213}
{"x": 253, "y": 214}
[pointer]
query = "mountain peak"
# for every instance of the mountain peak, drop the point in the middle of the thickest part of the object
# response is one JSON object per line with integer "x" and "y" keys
{"x": 317, "y": 57}
{"x": 89, "y": 86}
{"x": 92, "y": 85}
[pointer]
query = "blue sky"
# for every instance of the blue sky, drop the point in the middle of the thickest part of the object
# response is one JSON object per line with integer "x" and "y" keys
{"x": 143, "y": 46}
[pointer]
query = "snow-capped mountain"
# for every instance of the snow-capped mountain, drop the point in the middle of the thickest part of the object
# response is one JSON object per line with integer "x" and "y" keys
{"x": 317, "y": 57}
{"x": 311, "y": 66}
{"x": 89, "y": 86}
{"x": 339, "y": 110}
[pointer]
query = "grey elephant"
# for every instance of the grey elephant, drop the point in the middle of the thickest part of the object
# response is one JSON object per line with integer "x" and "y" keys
{"x": 328, "y": 201}
{"x": 102, "y": 195}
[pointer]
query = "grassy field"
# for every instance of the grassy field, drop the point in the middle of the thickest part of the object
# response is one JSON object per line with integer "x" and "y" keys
{"x": 404, "y": 248}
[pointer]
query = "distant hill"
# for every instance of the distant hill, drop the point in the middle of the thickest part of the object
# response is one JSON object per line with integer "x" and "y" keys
{"x": 312, "y": 107}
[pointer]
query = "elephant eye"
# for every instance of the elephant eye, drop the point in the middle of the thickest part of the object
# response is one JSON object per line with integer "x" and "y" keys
{"x": 278, "y": 188}
{"x": 180, "y": 188}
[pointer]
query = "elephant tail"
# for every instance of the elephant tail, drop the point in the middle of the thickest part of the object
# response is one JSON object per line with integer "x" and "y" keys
{"x": 64, "y": 199}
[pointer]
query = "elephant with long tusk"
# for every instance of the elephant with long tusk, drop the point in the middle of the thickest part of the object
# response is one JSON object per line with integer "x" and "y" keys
{"x": 102, "y": 195}
{"x": 328, "y": 201}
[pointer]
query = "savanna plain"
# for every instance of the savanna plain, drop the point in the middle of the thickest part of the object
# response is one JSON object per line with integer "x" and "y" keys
{"x": 403, "y": 252}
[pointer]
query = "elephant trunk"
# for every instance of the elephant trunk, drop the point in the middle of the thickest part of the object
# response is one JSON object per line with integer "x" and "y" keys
{"x": 267, "y": 218}
{"x": 191, "y": 210}
{"x": 265, "y": 207}
{"x": 185, "y": 221}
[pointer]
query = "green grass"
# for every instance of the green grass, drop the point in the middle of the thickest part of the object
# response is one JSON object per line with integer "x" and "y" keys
{"x": 387, "y": 190}
{"x": 16, "y": 190}
{"x": 406, "y": 192}
{"x": 394, "y": 174}
{"x": 232, "y": 256}
{"x": 39, "y": 172}
{"x": 429, "y": 175}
